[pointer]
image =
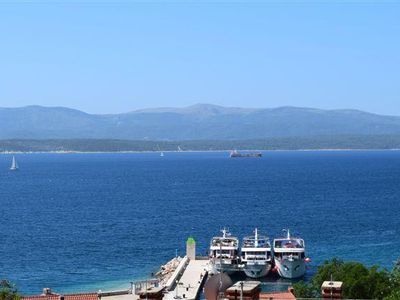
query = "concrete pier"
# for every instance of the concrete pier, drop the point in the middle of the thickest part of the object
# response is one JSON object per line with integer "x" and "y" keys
{"x": 121, "y": 297}
{"x": 177, "y": 274}
{"x": 188, "y": 286}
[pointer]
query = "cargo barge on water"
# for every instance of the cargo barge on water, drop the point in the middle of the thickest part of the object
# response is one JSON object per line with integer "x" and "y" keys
{"x": 235, "y": 153}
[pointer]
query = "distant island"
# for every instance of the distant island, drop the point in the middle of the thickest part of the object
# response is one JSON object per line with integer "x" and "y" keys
{"x": 200, "y": 127}
{"x": 205, "y": 122}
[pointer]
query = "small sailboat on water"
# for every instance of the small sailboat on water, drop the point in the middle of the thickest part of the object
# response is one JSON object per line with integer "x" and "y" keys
{"x": 161, "y": 153}
{"x": 14, "y": 164}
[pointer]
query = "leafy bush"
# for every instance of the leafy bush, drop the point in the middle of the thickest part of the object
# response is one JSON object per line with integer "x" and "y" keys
{"x": 8, "y": 291}
{"x": 395, "y": 283}
{"x": 303, "y": 290}
{"x": 359, "y": 282}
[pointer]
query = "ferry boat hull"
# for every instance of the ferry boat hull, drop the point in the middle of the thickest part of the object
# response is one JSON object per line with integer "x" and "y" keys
{"x": 227, "y": 268}
{"x": 256, "y": 270}
{"x": 290, "y": 268}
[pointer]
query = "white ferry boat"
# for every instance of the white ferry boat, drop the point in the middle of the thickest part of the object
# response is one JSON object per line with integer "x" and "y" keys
{"x": 289, "y": 256}
{"x": 224, "y": 253}
{"x": 256, "y": 255}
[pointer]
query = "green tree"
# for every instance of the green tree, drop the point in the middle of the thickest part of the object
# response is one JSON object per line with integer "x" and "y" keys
{"x": 303, "y": 290}
{"x": 359, "y": 282}
{"x": 395, "y": 283}
{"x": 8, "y": 291}
{"x": 395, "y": 295}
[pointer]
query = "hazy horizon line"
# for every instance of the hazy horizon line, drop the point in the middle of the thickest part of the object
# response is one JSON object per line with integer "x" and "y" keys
{"x": 150, "y": 108}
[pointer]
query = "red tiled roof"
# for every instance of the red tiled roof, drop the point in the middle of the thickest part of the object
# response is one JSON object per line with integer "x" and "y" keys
{"x": 85, "y": 296}
{"x": 88, "y": 296}
{"x": 41, "y": 297}
{"x": 278, "y": 296}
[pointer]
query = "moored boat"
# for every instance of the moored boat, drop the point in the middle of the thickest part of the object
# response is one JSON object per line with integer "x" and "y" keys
{"x": 224, "y": 253}
{"x": 289, "y": 256}
{"x": 256, "y": 255}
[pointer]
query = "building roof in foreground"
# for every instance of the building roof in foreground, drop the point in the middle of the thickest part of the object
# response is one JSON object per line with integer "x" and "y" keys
{"x": 332, "y": 284}
{"x": 83, "y": 296}
{"x": 278, "y": 296}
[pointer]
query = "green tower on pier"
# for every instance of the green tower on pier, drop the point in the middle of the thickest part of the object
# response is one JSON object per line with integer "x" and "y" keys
{"x": 191, "y": 248}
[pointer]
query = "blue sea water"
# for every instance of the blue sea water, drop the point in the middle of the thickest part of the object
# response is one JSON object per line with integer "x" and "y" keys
{"x": 77, "y": 222}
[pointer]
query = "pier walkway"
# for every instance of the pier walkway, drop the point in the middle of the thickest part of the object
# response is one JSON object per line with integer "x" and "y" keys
{"x": 189, "y": 284}
{"x": 121, "y": 297}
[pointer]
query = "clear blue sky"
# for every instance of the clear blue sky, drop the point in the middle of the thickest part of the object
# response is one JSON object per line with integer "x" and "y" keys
{"x": 106, "y": 57}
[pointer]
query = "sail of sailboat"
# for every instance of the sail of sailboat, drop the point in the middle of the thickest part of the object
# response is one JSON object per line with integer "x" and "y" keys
{"x": 14, "y": 164}
{"x": 161, "y": 153}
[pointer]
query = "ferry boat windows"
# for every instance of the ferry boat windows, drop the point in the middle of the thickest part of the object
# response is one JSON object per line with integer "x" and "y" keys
{"x": 289, "y": 244}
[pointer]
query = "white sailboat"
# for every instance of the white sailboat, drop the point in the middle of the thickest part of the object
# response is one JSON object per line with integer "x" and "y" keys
{"x": 161, "y": 153}
{"x": 14, "y": 164}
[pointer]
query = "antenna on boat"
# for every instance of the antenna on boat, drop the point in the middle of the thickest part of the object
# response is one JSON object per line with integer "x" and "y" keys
{"x": 220, "y": 265}
{"x": 287, "y": 233}
{"x": 225, "y": 232}
{"x": 256, "y": 238}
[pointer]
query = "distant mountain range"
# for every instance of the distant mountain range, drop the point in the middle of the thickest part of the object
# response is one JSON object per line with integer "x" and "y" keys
{"x": 197, "y": 122}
